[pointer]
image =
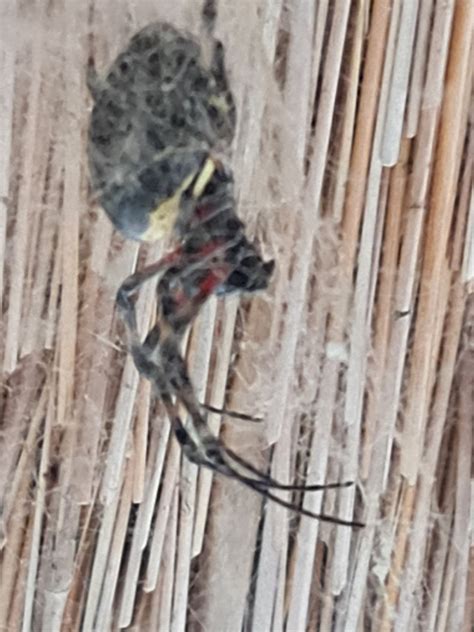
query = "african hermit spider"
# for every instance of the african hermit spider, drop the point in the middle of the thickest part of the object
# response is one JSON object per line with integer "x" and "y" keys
{"x": 159, "y": 119}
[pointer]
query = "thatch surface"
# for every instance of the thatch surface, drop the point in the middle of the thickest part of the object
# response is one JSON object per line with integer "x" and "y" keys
{"x": 354, "y": 161}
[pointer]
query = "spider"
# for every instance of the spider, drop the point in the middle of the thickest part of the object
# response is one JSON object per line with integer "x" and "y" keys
{"x": 161, "y": 117}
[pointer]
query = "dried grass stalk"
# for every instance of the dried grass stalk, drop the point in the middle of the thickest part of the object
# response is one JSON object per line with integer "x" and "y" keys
{"x": 354, "y": 159}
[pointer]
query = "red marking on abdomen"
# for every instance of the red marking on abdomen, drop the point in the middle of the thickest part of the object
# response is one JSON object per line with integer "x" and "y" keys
{"x": 213, "y": 280}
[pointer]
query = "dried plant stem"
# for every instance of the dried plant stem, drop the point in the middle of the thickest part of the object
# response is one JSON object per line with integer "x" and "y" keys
{"x": 353, "y": 166}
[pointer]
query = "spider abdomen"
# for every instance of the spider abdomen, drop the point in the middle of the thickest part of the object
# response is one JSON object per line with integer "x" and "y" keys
{"x": 157, "y": 115}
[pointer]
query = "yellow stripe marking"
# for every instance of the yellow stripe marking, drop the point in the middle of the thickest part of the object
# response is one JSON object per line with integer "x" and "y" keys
{"x": 163, "y": 217}
{"x": 206, "y": 174}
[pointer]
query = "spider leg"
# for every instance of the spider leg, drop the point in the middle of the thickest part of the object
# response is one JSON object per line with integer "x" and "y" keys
{"x": 305, "y": 512}
{"x": 263, "y": 480}
{"x": 206, "y": 448}
{"x": 151, "y": 342}
{"x": 181, "y": 387}
{"x": 199, "y": 445}
{"x": 213, "y": 460}
{"x": 181, "y": 292}
{"x": 233, "y": 414}
{"x": 141, "y": 352}
{"x": 130, "y": 287}
{"x": 271, "y": 482}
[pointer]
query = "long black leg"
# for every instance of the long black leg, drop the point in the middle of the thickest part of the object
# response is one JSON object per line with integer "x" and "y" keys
{"x": 205, "y": 449}
{"x": 131, "y": 285}
{"x": 159, "y": 359}
{"x": 271, "y": 482}
{"x": 233, "y": 414}
{"x": 212, "y": 461}
{"x": 199, "y": 445}
{"x": 305, "y": 512}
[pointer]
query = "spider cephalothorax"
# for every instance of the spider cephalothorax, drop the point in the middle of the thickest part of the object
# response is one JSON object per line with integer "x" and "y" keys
{"x": 161, "y": 118}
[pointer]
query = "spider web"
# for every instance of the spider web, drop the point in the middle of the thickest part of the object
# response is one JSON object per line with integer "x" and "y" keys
{"x": 359, "y": 359}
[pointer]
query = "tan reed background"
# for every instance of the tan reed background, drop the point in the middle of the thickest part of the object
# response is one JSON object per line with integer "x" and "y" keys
{"x": 354, "y": 161}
